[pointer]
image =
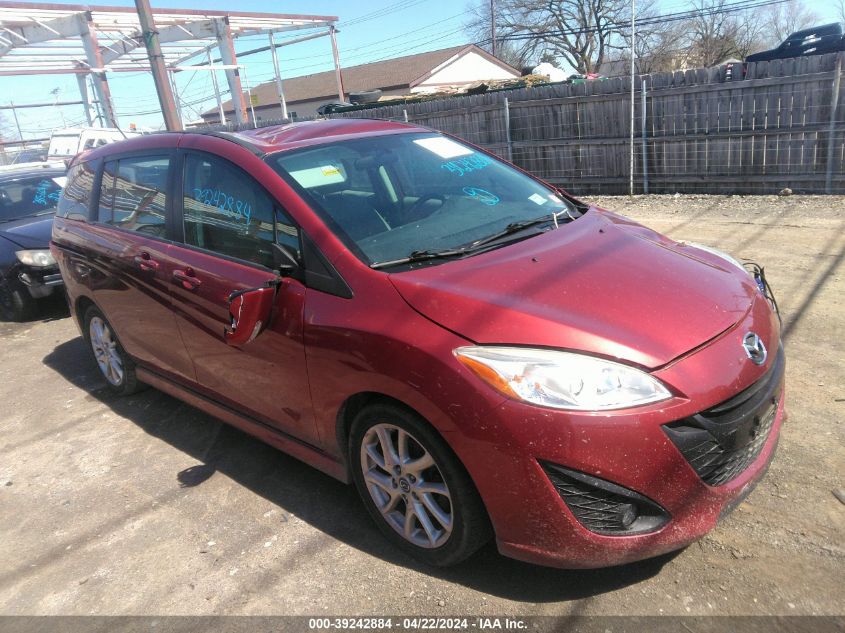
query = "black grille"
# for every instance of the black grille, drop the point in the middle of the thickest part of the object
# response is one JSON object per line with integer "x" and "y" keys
{"x": 605, "y": 507}
{"x": 721, "y": 442}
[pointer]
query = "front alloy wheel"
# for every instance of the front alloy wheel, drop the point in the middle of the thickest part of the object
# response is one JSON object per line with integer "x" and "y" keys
{"x": 406, "y": 485}
{"x": 414, "y": 487}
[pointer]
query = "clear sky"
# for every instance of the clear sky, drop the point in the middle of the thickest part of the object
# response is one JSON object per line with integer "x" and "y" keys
{"x": 370, "y": 30}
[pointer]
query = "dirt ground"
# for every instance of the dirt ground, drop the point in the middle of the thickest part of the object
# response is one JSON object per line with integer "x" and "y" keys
{"x": 143, "y": 505}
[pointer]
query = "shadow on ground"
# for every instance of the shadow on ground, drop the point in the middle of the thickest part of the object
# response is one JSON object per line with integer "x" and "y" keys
{"x": 328, "y": 505}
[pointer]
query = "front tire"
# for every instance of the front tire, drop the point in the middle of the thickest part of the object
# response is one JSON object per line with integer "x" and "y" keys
{"x": 16, "y": 304}
{"x": 414, "y": 487}
{"x": 114, "y": 363}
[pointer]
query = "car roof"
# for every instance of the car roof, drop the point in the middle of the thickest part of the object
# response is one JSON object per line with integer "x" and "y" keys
{"x": 265, "y": 140}
{"x": 276, "y": 138}
{"x": 29, "y": 172}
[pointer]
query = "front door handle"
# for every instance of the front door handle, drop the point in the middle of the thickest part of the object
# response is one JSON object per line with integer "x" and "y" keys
{"x": 145, "y": 262}
{"x": 187, "y": 279}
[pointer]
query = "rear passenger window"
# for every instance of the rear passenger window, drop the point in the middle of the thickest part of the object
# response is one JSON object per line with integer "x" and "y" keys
{"x": 228, "y": 212}
{"x": 104, "y": 214}
{"x": 76, "y": 196}
{"x": 133, "y": 194}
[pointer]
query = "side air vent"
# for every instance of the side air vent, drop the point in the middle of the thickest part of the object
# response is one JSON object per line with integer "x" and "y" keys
{"x": 604, "y": 507}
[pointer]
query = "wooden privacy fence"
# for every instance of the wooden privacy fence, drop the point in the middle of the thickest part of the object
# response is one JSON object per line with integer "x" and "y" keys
{"x": 780, "y": 125}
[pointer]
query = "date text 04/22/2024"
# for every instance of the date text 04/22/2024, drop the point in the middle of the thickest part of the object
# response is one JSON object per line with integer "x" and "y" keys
{"x": 418, "y": 623}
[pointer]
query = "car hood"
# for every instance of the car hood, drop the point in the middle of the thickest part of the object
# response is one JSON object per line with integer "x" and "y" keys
{"x": 33, "y": 232}
{"x": 601, "y": 284}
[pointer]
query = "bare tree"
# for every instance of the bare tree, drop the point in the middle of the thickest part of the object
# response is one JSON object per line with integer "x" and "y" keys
{"x": 587, "y": 33}
{"x": 479, "y": 29}
{"x": 784, "y": 19}
{"x": 657, "y": 51}
{"x": 716, "y": 34}
{"x": 840, "y": 9}
{"x": 581, "y": 32}
{"x": 659, "y": 45}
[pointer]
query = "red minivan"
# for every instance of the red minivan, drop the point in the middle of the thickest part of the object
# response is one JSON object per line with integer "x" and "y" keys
{"x": 483, "y": 355}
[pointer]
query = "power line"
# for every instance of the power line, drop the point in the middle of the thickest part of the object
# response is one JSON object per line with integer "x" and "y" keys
{"x": 742, "y": 5}
{"x": 426, "y": 39}
{"x": 378, "y": 13}
{"x": 373, "y": 43}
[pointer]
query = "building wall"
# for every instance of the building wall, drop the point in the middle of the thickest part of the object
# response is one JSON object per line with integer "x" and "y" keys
{"x": 468, "y": 68}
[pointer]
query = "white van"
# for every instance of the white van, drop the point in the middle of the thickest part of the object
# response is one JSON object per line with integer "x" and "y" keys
{"x": 68, "y": 142}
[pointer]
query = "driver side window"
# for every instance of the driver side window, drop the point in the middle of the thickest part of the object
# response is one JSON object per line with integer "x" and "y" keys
{"x": 228, "y": 212}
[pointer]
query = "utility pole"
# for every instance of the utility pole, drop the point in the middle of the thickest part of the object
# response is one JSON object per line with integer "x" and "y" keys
{"x": 100, "y": 118}
{"x": 337, "y": 73}
{"x": 82, "y": 82}
{"x": 493, "y": 27}
{"x": 55, "y": 93}
{"x": 216, "y": 87}
{"x": 279, "y": 88}
{"x": 165, "y": 94}
{"x": 176, "y": 100}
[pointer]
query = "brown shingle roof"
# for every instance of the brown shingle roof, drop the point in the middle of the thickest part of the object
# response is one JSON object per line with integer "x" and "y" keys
{"x": 389, "y": 73}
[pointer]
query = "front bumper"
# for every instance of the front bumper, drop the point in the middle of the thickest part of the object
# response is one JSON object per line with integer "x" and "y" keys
{"x": 40, "y": 282}
{"x": 630, "y": 450}
{"x": 693, "y": 509}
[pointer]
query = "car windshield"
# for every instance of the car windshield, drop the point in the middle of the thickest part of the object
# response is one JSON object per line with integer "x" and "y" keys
{"x": 29, "y": 196}
{"x": 408, "y": 196}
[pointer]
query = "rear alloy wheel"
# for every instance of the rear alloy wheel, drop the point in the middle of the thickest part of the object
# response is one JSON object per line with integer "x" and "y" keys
{"x": 15, "y": 302}
{"x": 115, "y": 365}
{"x": 415, "y": 488}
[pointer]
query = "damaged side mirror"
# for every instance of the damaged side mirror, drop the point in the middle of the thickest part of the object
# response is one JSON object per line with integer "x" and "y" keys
{"x": 249, "y": 313}
{"x": 250, "y": 310}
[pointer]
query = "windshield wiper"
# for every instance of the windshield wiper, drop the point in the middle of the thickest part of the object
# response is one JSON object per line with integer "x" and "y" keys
{"x": 510, "y": 229}
{"x": 517, "y": 227}
{"x": 419, "y": 256}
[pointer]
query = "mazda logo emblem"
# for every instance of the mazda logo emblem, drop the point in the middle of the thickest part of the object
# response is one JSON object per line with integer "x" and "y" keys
{"x": 754, "y": 348}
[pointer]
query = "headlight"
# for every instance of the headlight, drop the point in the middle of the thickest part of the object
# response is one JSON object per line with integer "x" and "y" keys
{"x": 715, "y": 251}
{"x": 39, "y": 258}
{"x": 562, "y": 380}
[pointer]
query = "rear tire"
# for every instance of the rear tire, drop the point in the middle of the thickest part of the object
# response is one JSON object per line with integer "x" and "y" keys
{"x": 114, "y": 363}
{"x": 417, "y": 491}
{"x": 16, "y": 304}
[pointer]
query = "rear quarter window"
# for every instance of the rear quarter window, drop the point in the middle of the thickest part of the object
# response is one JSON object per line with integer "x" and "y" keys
{"x": 75, "y": 200}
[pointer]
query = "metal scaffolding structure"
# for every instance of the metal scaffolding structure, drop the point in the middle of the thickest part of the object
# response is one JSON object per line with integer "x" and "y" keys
{"x": 38, "y": 38}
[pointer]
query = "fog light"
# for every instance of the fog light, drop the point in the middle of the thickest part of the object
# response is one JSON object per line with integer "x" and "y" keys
{"x": 628, "y": 514}
{"x": 604, "y": 507}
